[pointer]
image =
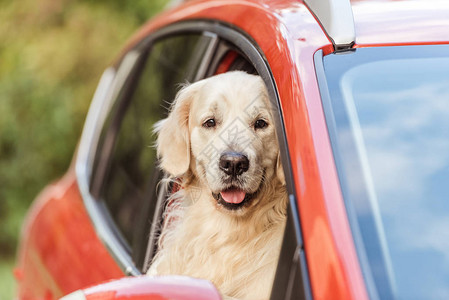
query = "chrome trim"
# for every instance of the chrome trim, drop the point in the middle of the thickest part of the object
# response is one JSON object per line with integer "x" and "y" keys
{"x": 110, "y": 84}
{"x": 94, "y": 115}
{"x": 337, "y": 20}
{"x": 208, "y": 55}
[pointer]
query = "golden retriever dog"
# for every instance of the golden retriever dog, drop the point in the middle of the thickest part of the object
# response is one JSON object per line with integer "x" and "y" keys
{"x": 226, "y": 222}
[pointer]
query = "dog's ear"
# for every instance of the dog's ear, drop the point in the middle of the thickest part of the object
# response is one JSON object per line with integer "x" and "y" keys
{"x": 173, "y": 141}
{"x": 280, "y": 170}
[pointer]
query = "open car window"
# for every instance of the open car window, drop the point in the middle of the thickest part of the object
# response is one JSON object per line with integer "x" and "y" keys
{"x": 125, "y": 170}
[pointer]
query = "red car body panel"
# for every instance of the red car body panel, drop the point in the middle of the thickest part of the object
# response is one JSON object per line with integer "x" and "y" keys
{"x": 69, "y": 255}
{"x": 60, "y": 251}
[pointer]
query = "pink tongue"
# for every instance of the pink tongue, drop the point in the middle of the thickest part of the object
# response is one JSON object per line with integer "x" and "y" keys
{"x": 234, "y": 196}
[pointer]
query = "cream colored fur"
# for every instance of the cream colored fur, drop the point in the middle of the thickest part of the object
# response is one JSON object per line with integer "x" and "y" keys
{"x": 235, "y": 249}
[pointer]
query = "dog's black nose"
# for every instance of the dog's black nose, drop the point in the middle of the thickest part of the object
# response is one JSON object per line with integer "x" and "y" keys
{"x": 234, "y": 163}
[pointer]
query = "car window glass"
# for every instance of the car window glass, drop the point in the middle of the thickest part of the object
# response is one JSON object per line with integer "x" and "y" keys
{"x": 126, "y": 173}
{"x": 390, "y": 109}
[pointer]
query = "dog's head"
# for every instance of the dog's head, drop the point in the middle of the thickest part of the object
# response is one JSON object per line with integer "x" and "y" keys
{"x": 221, "y": 130}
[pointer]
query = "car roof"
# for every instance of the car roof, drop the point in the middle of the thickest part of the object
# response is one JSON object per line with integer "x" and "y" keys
{"x": 381, "y": 22}
{"x": 375, "y": 22}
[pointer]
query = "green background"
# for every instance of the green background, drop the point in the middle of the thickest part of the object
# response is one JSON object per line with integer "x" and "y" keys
{"x": 52, "y": 54}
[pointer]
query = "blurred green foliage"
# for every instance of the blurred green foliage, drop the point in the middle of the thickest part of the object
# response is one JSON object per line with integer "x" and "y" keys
{"x": 7, "y": 284}
{"x": 52, "y": 54}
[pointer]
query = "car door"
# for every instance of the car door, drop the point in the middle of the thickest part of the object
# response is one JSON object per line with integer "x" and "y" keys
{"x": 120, "y": 172}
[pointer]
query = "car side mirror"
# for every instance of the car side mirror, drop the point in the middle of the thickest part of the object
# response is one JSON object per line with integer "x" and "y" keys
{"x": 151, "y": 288}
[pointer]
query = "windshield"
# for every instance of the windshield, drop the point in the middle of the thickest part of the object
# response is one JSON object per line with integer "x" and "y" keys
{"x": 387, "y": 111}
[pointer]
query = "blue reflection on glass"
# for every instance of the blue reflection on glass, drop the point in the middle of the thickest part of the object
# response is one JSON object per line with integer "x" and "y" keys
{"x": 392, "y": 121}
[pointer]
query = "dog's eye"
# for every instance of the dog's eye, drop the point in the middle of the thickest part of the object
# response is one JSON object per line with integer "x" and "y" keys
{"x": 209, "y": 123}
{"x": 259, "y": 124}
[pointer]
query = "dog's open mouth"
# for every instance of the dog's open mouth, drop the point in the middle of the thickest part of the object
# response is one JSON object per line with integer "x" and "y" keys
{"x": 233, "y": 198}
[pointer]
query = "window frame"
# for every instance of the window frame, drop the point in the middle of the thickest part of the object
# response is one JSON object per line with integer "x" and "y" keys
{"x": 292, "y": 252}
{"x": 137, "y": 250}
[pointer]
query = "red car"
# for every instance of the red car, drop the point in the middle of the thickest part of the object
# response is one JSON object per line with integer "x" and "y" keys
{"x": 362, "y": 93}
